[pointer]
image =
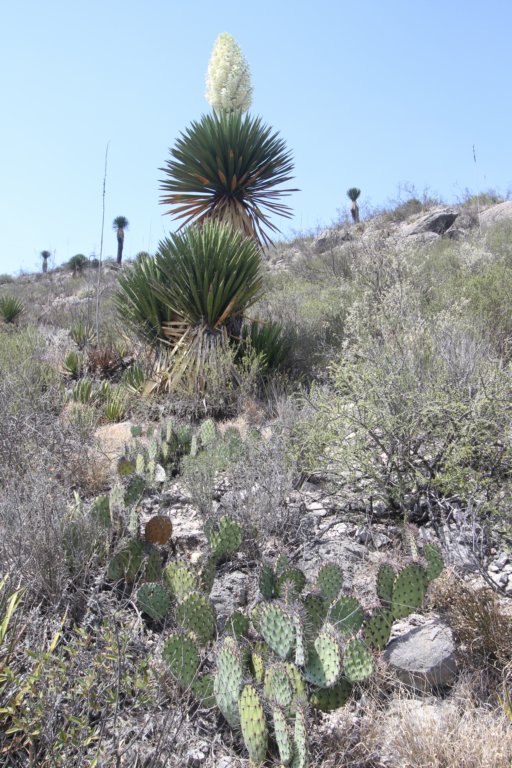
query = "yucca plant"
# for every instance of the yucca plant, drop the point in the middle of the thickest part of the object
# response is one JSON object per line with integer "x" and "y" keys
{"x": 137, "y": 304}
{"x": 209, "y": 277}
{"x": 228, "y": 167}
{"x": 11, "y": 308}
{"x": 120, "y": 223}
{"x": 268, "y": 342}
{"x": 353, "y": 193}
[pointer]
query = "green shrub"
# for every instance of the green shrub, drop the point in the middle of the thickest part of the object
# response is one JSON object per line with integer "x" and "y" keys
{"x": 11, "y": 308}
{"x": 77, "y": 263}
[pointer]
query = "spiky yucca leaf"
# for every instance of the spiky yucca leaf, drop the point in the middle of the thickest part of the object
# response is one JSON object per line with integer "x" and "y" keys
{"x": 228, "y": 167}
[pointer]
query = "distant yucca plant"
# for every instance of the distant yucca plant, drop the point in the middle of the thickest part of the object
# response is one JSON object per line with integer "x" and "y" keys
{"x": 11, "y": 308}
{"x": 353, "y": 193}
{"x": 82, "y": 391}
{"x": 72, "y": 364}
{"x": 115, "y": 406}
{"x": 82, "y": 334}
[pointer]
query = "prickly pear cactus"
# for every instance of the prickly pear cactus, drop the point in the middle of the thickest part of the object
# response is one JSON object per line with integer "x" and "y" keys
{"x": 153, "y": 600}
{"x": 135, "y": 561}
{"x": 408, "y": 591}
{"x": 377, "y": 628}
{"x": 253, "y": 724}
{"x": 267, "y": 581}
{"x": 196, "y": 614}
{"x": 292, "y": 581}
{"x": 300, "y": 738}
{"x": 277, "y": 628}
{"x": 357, "y": 661}
{"x": 329, "y": 699}
{"x": 329, "y": 581}
{"x": 346, "y": 615}
{"x": 207, "y": 433}
{"x": 324, "y": 663}
{"x": 134, "y": 490}
{"x": 224, "y": 536}
{"x": 237, "y": 625}
{"x": 180, "y": 579}
{"x": 278, "y": 687}
{"x": 228, "y": 680}
{"x": 434, "y": 558}
{"x": 182, "y": 656}
{"x": 385, "y": 581}
{"x": 282, "y": 735}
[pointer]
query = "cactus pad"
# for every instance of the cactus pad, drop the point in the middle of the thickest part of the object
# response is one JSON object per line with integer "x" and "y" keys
{"x": 135, "y": 561}
{"x": 207, "y": 432}
{"x": 197, "y": 614}
{"x": 329, "y": 581}
{"x": 385, "y": 580}
{"x": 134, "y": 489}
{"x": 158, "y": 530}
{"x": 434, "y": 558}
{"x": 238, "y": 624}
{"x": 324, "y": 660}
{"x": 277, "y": 628}
{"x": 282, "y": 735}
{"x": 346, "y": 615}
{"x": 181, "y": 655}
{"x": 377, "y": 628}
{"x": 291, "y": 578}
{"x": 228, "y": 680}
{"x": 279, "y": 688}
{"x": 153, "y": 600}
{"x": 253, "y": 724}
{"x": 357, "y": 661}
{"x": 202, "y": 688}
{"x": 125, "y": 467}
{"x": 329, "y": 699}
{"x": 180, "y": 579}
{"x": 300, "y": 737}
{"x": 267, "y": 581}
{"x": 408, "y": 591}
{"x": 224, "y": 536}
{"x": 315, "y": 609}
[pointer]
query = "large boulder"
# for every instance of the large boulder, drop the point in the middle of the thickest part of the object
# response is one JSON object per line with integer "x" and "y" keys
{"x": 496, "y": 213}
{"x": 330, "y": 238}
{"x": 438, "y": 221}
{"x": 424, "y": 657}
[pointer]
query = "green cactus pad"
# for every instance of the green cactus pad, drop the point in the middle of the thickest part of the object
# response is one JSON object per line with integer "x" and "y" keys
{"x": 134, "y": 523}
{"x": 300, "y": 738}
{"x": 323, "y": 667}
{"x": 207, "y": 574}
{"x": 100, "y": 511}
{"x": 315, "y": 609}
{"x": 434, "y": 558}
{"x": 257, "y": 659}
{"x": 125, "y": 467}
{"x": 267, "y": 581}
{"x": 277, "y": 628}
{"x": 282, "y": 563}
{"x": 197, "y": 614}
{"x": 224, "y": 536}
{"x": 180, "y": 653}
{"x": 207, "y": 433}
{"x": 377, "y": 628}
{"x": 184, "y": 436}
{"x": 237, "y": 625}
{"x": 282, "y": 735}
{"x": 152, "y": 449}
{"x": 135, "y": 561}
{"x": 136, "y": 431}
{"x": 279, "y": 688}
{"x": 140, "y": 464}
{"x": 300, "y": 640}
{"x": 385, "y": 580}
{"x": 329, "y": 581}
{"x": 329, "y": 699}
{"x": 357, "y": 661}
{"x": 346, "y": 615}
{"x": 253, "y": 724}
{"x": 202, "y": 688}
{"x": 228, "y": 680}
{"x": 153, "y": 600}
{"x": 116, "y": 498}
{"x": 408, "y": 591}
{"x": 180, "y": 579}
{"x": 194, "y": 448}
{"x": 298, "y": 683}
{"x": 134, "y": 489}
{"x": 291, "y": 580}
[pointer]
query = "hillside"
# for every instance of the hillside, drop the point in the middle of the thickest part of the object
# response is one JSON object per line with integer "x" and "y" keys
{"x": 302, "y": 552}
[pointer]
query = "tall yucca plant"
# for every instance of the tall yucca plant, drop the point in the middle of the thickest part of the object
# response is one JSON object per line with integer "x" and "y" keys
{"x": 228, "y": 167}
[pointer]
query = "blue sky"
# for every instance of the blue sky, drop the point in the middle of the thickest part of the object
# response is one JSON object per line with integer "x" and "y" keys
{"x": 373, "y": 94}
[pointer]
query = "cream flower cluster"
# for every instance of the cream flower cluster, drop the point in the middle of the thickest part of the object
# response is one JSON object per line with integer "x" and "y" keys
{"x": 228, "y": 82}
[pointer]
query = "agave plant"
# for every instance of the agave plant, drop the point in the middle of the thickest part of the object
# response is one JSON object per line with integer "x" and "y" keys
{"x": 10, "y": 308}
{"x": 228, "y": 167}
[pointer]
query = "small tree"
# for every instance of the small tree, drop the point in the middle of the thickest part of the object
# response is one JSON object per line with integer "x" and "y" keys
{"x": 353, "y": 193}
{"x": 120, "y": 223}
{"x": 45, "y": 255}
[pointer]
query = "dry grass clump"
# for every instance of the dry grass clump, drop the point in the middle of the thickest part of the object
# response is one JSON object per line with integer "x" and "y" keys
{"x": 481, "y": 626}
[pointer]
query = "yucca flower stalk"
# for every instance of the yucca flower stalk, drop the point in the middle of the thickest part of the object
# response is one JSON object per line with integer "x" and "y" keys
{"x": 228, "y": 81}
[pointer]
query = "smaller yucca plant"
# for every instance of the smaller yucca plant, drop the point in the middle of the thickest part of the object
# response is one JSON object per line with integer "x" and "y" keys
{"x": 11, "y": 308}
{"x": 353, "y": 193}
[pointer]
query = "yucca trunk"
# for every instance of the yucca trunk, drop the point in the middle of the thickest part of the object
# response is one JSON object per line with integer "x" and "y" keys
{"x": 120, "y": 244}
{"x": 354, "y": 210}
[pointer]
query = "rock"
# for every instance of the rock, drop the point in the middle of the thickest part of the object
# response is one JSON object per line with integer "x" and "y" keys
{"x": 424, "y": 657}
{"x": 501, "y": 561}
{"x": 160, "y": 476}
{"x": 437, "y": 221}
{"x": 111, "y": 440}
{"x": 196, "y": 756}
{"x": 496, "y": 213}
{"x": 330, "y": 238}
{"x": 229, "y": 593}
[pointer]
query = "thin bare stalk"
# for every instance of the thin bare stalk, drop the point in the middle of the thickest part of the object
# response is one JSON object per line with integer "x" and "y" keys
{"x": 98, "y": 282}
